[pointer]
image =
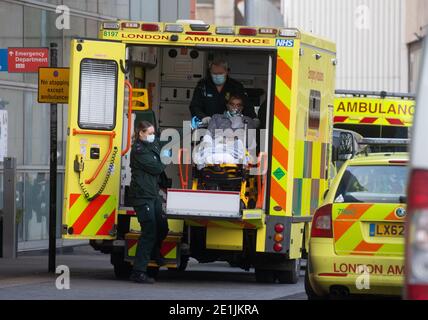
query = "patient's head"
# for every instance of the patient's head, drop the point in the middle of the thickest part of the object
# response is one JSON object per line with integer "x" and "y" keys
{"x": 235, "y": 105}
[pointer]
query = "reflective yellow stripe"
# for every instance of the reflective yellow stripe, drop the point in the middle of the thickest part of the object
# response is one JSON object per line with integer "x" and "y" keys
{"x": 101, "y": 216}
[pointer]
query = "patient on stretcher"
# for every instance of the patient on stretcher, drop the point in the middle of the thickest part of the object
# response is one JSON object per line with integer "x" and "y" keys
{"x": 224, "y": 141}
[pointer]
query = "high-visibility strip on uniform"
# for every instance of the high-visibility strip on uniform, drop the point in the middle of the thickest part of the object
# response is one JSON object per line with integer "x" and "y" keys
{"x": 280, "y": 138}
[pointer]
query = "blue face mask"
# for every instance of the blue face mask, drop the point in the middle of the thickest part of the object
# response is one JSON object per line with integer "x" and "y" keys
{"x": 150, "y": 138}
{"x": 233, "y": 113}
{"x": 218, "y": 79}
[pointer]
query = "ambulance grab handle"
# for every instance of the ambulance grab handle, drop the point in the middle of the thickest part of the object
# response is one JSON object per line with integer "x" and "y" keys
{"x": 112, "y": 134}
{"x": 128, "y": 137}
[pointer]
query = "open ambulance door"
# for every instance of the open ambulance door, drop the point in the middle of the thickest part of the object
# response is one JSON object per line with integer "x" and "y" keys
{"x": 94, "y": 139}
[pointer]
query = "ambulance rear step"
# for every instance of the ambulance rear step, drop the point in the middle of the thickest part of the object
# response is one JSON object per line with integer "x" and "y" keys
{"x": 183, "y": 203}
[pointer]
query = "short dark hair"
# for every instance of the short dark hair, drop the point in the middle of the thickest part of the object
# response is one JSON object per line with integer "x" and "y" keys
{"x": 219, "y": 61}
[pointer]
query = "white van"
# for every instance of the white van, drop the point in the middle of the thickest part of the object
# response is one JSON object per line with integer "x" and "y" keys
{"x": 416, "y": 264}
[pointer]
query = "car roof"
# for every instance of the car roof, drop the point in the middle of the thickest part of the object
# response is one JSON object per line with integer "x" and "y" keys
{"x": 379, "y": 158}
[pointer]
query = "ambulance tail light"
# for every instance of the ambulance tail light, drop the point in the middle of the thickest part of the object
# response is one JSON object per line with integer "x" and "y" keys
{"x": 416, "y": 267}
{"x": 152, "y": 27}
{"x": 111, "y": 26}
{"x": 247, "y": 32}
{"x": 270, "y": 31}
{"x": 225, "y": 30}
{"x": 174, "y": 28}
{"x": 321, "y": 223}
{"x": 279, "y": 227}
{"x": 277, "y": 247}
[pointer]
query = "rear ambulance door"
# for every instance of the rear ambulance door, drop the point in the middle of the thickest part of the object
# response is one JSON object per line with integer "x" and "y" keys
{"x": 94, "y": 139}
{"x": 371, "y": 228}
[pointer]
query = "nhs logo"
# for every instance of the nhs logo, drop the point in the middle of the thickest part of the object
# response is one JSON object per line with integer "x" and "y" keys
{"x": 284, "y": 43}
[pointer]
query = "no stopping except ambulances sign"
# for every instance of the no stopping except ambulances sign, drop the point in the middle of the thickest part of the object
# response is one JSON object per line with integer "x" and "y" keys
{"x": 53, "y": 85}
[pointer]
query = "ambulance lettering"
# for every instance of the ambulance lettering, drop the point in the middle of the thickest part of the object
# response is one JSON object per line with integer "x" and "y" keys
{"x": 376, "y": 108}
{"x": 144, "y": 36}
{"x": 226, "y": 40}
{"x": 353, "y": 268}
{"x": 284, "y": 43}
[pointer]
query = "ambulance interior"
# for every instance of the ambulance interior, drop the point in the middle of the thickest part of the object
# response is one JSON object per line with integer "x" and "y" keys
{"x": 171, "y": 73}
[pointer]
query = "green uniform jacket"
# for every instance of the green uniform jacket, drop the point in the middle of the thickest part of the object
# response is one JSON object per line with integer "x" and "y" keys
{"x": 146, "y": 166}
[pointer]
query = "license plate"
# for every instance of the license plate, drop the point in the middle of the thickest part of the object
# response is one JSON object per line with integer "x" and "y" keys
{"x": 386, "y": 230}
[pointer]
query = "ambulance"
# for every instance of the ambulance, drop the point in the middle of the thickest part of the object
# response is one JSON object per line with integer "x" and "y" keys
{"x": 372, "y": 114}
{"x": 147, "y": 71}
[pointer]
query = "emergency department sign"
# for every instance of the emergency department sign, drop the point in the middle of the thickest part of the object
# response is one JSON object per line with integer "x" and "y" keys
{"x": 53, "y": 85}
{"x": 23, "y": 60}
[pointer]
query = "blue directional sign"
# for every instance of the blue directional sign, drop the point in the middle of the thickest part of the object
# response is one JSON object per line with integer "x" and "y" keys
{"x": 3, "y": 60}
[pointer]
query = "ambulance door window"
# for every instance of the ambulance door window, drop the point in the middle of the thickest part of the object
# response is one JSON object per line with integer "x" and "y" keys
{"x": 98, "y": 94}
{"x": 314, "y": 109}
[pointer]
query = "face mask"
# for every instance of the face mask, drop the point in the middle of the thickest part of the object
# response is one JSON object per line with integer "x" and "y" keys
{"x": 234, "y": 112}
{"x": 150, "y": 138}
{"x": 218, "y": 79}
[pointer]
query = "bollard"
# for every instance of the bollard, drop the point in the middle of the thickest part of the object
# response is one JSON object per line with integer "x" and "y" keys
{"x": 10, "y": 239}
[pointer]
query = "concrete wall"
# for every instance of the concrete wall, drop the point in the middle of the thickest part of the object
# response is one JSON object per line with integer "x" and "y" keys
{"x": 370, "y": 37}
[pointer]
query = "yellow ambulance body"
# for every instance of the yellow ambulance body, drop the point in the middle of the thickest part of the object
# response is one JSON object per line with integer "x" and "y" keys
{"x": 141, "y": 70}
{"x": 374, "y": 114}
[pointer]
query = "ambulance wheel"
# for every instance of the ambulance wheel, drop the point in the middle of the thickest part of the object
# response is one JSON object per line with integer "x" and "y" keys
{"x": 153, "y": 272}
{"x": 309, "y": 291}
{"x": 122, "y": 270}
{"x": 265, "y": 276}
{"x": 183, "y": 263}
{"x": 290, "y": 276}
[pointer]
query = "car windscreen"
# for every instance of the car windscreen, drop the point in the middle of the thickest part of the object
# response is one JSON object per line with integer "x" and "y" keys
{"x": 373, "y": 184}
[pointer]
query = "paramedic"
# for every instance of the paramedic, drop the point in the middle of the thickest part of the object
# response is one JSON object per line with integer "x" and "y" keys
{"x": 212, "y": 92}
{"x": 146, "y": 167}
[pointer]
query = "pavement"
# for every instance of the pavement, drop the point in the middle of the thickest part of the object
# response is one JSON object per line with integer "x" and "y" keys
{"x": 92, "y": 277}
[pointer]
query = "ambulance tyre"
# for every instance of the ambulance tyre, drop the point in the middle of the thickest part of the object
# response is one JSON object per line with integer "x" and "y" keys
{"x": 290, "y": 276}
{"x": 122, "y": 269}
{"x": 183, "y": 263}
{"x": 309, "y": 291}
{"x": 182, "y": 266}
{"x": 265, "y": 276}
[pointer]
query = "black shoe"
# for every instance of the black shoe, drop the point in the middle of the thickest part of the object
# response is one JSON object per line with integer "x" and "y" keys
{"x": 141, "y": 277}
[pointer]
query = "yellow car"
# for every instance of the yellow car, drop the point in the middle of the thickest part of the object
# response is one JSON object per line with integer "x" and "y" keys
{"x": 357, "y": 237}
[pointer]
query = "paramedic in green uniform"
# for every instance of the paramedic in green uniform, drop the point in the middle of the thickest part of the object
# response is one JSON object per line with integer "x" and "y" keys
{"x": 146, "y": 167}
